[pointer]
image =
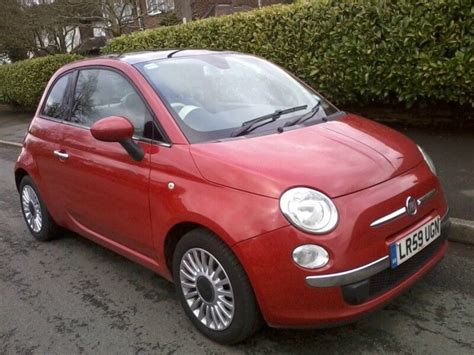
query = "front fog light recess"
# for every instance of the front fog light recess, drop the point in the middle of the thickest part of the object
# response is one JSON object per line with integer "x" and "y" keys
{"x": 310, "y": 256}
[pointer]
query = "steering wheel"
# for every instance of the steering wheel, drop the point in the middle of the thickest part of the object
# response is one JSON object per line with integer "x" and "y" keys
{"x": 183, "y": 110}
{"x": 177, "y": 106}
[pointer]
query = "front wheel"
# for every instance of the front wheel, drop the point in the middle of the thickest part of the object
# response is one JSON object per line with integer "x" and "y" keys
{"x": 214, "y": 289}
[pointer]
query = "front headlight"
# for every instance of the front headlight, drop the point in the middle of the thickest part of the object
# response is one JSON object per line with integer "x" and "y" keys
{"x": 309, "y": 210}
{"x": 427, "y": 160}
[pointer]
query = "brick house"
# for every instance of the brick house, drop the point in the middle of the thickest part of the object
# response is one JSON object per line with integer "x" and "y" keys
{"x": 198, "y": 9}
{"x": 153, "y": 11}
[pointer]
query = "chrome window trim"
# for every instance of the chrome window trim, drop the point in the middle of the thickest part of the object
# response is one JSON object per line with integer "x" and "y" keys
{"x": 59, "y": 120}
{"x": 401, "y": 211}
{"x": 78, "y": 125}
{"x": 163, "y": 144}
{"x": 361, "y": 273}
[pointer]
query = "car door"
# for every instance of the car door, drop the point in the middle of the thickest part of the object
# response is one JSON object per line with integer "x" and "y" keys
{"x": 45, "y": 136}
{"x": 105, "y": 190}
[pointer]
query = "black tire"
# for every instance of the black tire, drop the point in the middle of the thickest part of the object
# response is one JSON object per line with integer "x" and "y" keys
{"x": 247, "y": 318}
{"x": 48, "y": 229}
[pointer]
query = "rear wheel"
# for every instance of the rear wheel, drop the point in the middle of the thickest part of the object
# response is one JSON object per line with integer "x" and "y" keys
{"x": 214, "y": 289}
{"x": 37, "y": 218}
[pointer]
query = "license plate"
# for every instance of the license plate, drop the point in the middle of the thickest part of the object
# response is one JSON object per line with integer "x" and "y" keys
{"x": 405, "y": 248}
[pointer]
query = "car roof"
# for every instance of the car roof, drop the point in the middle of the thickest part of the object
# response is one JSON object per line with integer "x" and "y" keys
{"x": 145, "y": 56}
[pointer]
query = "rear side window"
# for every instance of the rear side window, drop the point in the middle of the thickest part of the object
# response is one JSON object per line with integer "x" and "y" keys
{"x": 102, "y": 93}
{"x": 56, "y": 103}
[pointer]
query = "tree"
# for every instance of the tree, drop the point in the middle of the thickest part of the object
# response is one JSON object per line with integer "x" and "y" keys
{"x": 115, "y": 17}
{"x": 32, "y": 29}
{"x": 16, "y": 37}
{"x": 50, "y": 27}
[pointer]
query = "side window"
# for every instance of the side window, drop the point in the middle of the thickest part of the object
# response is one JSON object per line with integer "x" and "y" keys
{"x": 56, "y": 103}
{"x": 101, "y": 93}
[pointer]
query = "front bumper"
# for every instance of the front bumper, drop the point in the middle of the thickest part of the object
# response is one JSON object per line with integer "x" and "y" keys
{"x": 286, "y": 300}
{"x": 358, "y": 277}
{"x": 363, "y": 272}
{"x": 365, "y": 282}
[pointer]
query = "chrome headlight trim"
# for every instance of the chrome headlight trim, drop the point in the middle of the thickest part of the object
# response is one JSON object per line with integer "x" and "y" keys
{"x": 428, "y": 160}
{"x": 300, "y": 202}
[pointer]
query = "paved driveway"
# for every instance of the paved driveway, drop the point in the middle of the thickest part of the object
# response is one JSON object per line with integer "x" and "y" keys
{"x": 72, "y": 296}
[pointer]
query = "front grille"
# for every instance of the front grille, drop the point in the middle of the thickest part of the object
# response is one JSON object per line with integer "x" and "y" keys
{"x": 389, "y": 278}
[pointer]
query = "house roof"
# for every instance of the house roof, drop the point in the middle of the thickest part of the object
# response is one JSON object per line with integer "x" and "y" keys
{"x": 91, "y": 45}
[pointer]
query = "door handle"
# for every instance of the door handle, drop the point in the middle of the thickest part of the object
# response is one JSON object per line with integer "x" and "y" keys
{"x": 61, "y": 155}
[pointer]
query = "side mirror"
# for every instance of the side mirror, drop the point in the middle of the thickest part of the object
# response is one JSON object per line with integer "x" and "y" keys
{"x": 117, "y": 129}
{"x": 112, "y": 129}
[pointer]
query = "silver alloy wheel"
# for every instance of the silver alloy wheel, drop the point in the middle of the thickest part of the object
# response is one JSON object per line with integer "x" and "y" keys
{"x": 31, "y": 208}
{"x": 207, "y": 289}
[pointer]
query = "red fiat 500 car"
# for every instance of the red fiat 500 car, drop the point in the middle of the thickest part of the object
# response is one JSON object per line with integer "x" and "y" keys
{"x": 227, "y": 175}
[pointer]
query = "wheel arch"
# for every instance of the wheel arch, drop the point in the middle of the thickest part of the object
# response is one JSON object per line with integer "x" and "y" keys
{"x": 175, "y": 233}
{"x": 172, "y": 238}
{"x": 179, "y": 229}
{"x": 26, "y": 166}
{"x": 20, "y": 173}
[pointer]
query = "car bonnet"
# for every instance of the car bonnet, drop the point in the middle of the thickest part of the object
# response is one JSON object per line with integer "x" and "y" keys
{"x": 336, "y": 158}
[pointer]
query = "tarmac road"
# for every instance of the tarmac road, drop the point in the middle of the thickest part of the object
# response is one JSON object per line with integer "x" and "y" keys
{"x": 72, "y": 296}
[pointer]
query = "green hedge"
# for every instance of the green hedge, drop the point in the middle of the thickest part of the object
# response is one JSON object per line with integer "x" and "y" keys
{"x": 354, "y": 51}
{"x": 22, "y": 83}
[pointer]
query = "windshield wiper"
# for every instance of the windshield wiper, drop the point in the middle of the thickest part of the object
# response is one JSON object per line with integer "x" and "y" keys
{"x": 250, "y": 125}
{"x": 305, "y": 117}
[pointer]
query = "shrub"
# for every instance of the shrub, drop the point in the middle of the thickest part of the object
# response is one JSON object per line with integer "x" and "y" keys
{"x": 354, "y": 51}
{"x": 22, "y": 83}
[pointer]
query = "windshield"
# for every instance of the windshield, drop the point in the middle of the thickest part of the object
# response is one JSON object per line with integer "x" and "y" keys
{"x": 213, "y": 95}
